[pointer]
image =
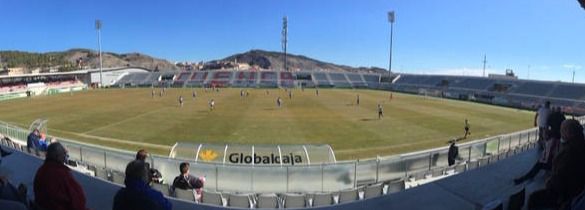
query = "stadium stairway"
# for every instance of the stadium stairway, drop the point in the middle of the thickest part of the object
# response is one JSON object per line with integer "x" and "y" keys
{"x": 474, "y": 189}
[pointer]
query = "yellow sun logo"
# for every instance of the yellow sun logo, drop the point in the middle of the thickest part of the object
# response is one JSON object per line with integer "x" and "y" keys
{"x": 207, "y": 155}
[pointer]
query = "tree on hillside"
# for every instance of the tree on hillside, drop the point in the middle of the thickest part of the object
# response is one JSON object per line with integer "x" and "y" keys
{"x": 582, "y": 3}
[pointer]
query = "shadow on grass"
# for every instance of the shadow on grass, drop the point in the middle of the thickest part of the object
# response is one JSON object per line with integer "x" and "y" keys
{"x": 369, "y": 119}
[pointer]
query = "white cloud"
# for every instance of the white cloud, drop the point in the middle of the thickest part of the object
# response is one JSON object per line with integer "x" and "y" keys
{"x": 572, "y": 66}
{"x": 460, "y": 71}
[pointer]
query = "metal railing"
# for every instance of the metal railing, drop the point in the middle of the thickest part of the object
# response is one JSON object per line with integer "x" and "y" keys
{"x": 306, "y": 178}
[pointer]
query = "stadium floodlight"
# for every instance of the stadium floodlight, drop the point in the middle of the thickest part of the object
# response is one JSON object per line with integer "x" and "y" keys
{"x": 391, "y": 19}
{"x": 285, "y": 39}
{"x": 98, "y": 27}
{"x": 484, "y": 62}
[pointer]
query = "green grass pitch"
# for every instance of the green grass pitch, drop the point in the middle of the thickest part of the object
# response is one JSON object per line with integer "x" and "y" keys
{"x": 132, "y": 119}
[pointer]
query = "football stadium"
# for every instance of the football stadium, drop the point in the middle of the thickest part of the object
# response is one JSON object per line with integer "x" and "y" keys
{"x": 274, "y": 129}
{"x": 88, "y": 129}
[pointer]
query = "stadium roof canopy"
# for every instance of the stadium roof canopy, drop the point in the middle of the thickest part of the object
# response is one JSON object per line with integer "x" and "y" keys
{"x": 264, "y": 154}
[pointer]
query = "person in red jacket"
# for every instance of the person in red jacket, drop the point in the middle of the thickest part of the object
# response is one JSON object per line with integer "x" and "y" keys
{"x": 54, "y": 185}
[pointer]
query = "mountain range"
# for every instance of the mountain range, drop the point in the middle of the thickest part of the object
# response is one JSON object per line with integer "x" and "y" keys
{"x": 74, "y": 59}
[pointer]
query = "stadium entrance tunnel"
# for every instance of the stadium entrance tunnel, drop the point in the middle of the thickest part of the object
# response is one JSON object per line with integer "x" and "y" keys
{"x": 264, "y": 154}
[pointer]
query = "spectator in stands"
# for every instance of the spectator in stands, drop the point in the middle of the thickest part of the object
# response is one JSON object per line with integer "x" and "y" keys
{"x": 137, "y": 194}
{"x": 32, "y": 141}
{"x": 185, "y": 180}
{"x": 566, "y": 180}
{"x": 555, "y": 120}
{"x": 541, "y": 120}
{"x": 12, "y": 197}
{"x": 453, "y": 153}
{"x": 142, "y": 154}
{"x": 55, "y": 187}
{"x": 546, "y": 158}
{"x": 3, "y": 153}
{"x": 154, "y": 175}
{"x": 43, "y": 143}
{"x": 551, "y": 144}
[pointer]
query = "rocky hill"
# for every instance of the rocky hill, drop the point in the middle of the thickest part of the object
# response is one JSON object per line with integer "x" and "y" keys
{"x": 75, "y": 59}
{"x": 275, "y": 60}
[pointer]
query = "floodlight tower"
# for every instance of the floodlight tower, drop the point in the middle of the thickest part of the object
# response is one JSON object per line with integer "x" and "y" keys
{"x": 98, "y": 27}
{"x": 391, "y": 20}
{"x": 285, "y": 39}
{"x": 573, "y": 81}
{"x": 484, "y": 62}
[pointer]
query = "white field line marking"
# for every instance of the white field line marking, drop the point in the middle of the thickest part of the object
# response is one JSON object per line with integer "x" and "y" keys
{"x": 123, "y": 121}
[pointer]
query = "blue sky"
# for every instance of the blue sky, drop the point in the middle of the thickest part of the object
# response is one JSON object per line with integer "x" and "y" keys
{"x": 431, "y": 37}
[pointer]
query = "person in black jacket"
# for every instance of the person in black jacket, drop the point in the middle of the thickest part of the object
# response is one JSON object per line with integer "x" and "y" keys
{"x": 137, "y": 194}
{"x": 453, "y": 153}
{"x": 185, "y": 180}
{"x": 555, "y": 120}
{"x": 566, "y": 180}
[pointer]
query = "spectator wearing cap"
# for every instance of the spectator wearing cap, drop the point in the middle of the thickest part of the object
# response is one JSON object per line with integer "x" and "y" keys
{"x": 137, "y": 194}
{"x": 566, "y": 180}
{"x": 55, "y": 187}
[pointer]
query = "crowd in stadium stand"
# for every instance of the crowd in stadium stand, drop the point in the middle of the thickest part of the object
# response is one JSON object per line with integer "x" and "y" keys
{"x": 562, "y": 144}
{"x": 12, "y": 86}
